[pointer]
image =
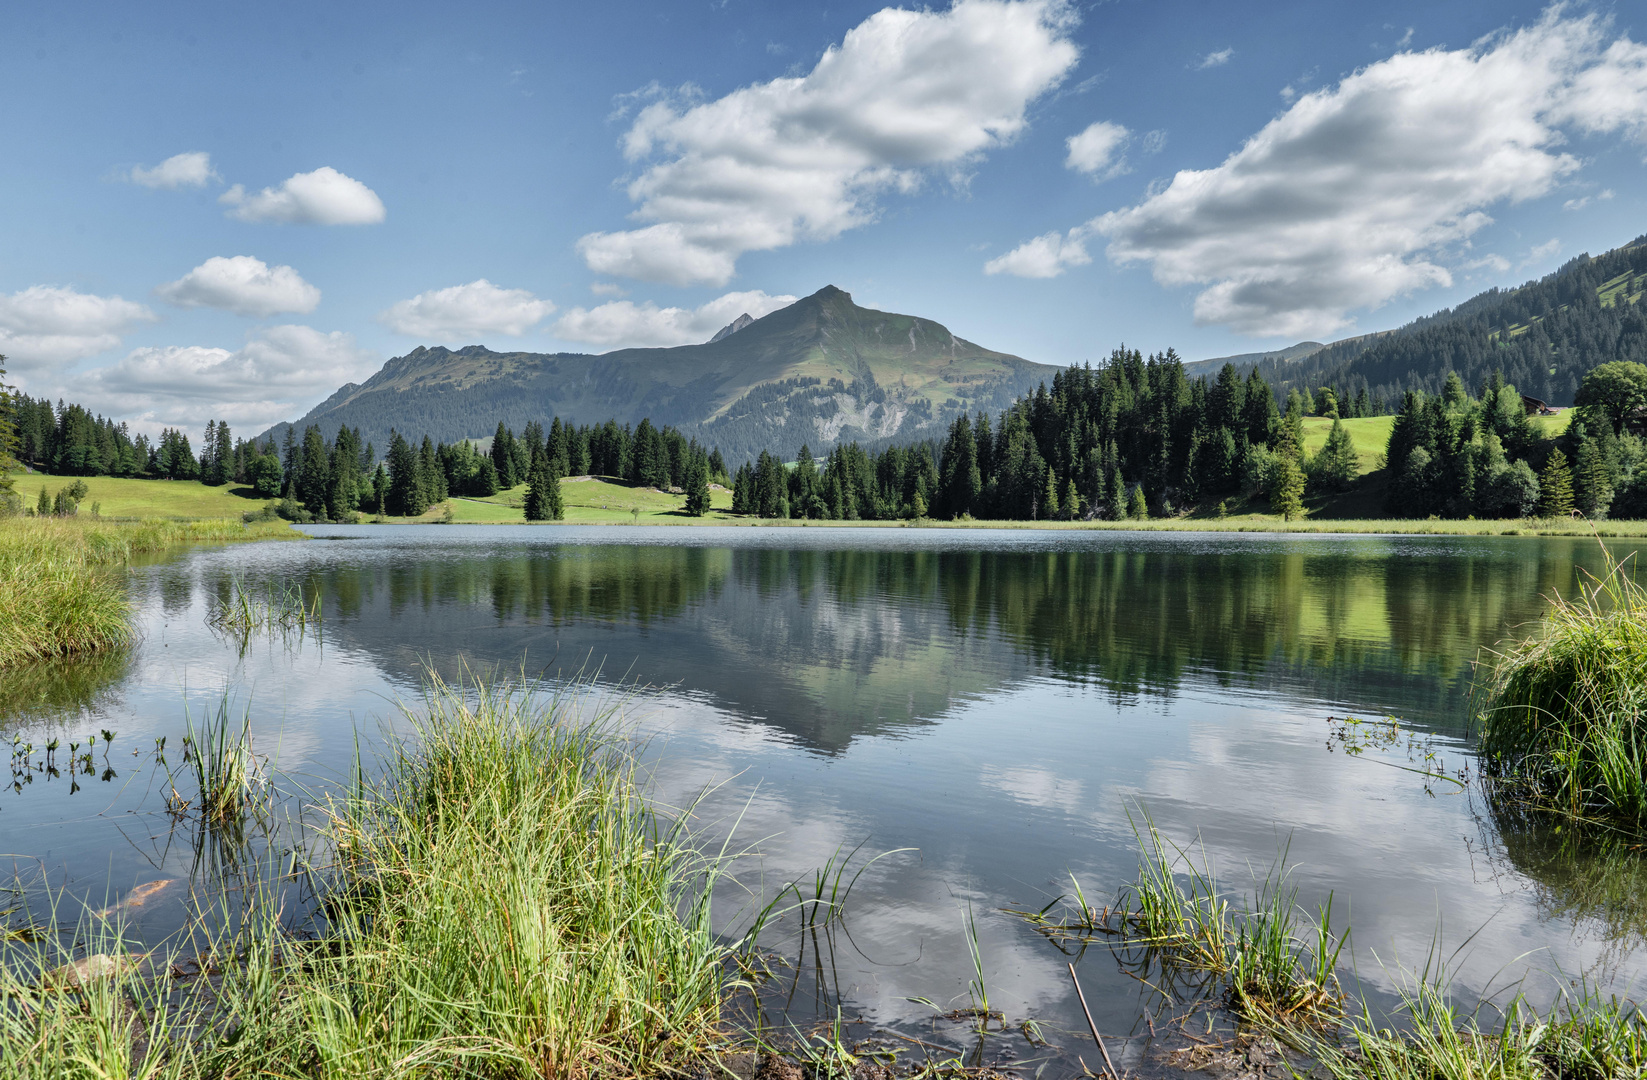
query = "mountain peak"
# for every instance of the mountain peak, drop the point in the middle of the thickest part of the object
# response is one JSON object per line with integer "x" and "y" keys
{"x": 732, "y": 327}
{"x": 829, "y": 294}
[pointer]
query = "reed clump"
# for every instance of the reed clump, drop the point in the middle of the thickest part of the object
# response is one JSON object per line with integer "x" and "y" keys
{"x": 244, "y": 610}
{"x": 1564, "y": 712}
{"x": 509, "y": 905}
{"x": 1272, "y": 961}
{"x": 501, "y": 902}
{"x": 1581, "y": 1038}
{"x": 60, "y": 588}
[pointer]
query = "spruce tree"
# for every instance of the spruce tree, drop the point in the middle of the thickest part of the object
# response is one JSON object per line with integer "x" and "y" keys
{"x": 1138, "y": 506}
{"x": 1335, "y": 466}
{"x": 553, "y": 504}
{"x": 1288, "y": 497}
{"x": 537, "y": 486}
{"x": 8, "y": 437}
{"x": 1555, "y": 487}
{"x": 1116, "y": 496}
{"x": 405, "y": 495}
{"x": 697, "y": 487}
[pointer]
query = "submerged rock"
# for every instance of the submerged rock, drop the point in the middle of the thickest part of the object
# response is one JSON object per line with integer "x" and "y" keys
{"x": 92, "y": 969}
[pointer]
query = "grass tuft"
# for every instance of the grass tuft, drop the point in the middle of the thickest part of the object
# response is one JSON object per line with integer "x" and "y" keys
{"x": 501, "y": 902}
{"x": 1564, "y": 712}
{"x": 60, "y": 589}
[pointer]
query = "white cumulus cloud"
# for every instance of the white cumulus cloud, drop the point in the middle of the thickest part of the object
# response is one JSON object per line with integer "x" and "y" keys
{"x": 192, "y": 169}
{"x": 805, "y": 157}
{"x": 53, "y": 325}
{"x": 1045, "y": 256}
{"x": 279, "y": 373}
{"x": 467, "y": 311}
{"x": 322, "y": 197}
{"x": 244, "y": 285}
{"x": 1370, "y": 189}
{"x": 1098, "y": 150}
{"x": 626, "y": 324}
{"x": 1215, "y": 59}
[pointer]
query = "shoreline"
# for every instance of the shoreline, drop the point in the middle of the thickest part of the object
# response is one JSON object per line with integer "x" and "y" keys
{"x": 1245, "y": 524}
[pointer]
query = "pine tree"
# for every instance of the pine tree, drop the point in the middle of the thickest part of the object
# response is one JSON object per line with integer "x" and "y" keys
{"x": 1115, "y": 502}
{"x": 405, "y": 493}
{"x": 1138, "y": 506}
{"x": 1555, "y": 487}
{"x": 697, "y": 487}
{"x": 223, "y": 455}
{"x": 537, "y": 486}
{"x": 1592, "y": 476}
{"x": 8, "y": 441}
{"x": 1334, "y": 468}
{"x": 554, "y": 504}
{"x": 1288, "y": 497}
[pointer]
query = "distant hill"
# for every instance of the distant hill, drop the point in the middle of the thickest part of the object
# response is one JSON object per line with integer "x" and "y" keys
{"x": 818, "y": 372}
{"x": 1544, "y": 336}
{"x": 1196, "y": 368}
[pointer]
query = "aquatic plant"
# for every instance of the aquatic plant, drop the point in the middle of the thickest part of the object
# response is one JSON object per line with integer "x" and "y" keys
{"x": 278, "y": 606}
{"x": 1271, "y": 960}
{"x": 1564, "y": 711}
{"x": 230, "y": 781}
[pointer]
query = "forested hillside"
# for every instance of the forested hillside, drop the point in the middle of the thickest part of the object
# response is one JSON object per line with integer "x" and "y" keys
{"x": 1543, "y": 337}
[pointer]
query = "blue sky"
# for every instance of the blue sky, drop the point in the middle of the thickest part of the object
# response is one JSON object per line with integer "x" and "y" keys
{"x": 227, "y": 211}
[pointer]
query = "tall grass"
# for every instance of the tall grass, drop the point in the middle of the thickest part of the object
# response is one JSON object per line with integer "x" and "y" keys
{"x": 1564, "y": 712}
{"x": 501, "y": 902}
{"x": 1584, "y": 1037}
{"x": 60, "y": 588}
{"x": 510, "y": 906}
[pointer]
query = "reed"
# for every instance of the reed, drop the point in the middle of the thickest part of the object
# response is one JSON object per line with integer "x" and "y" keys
{"x": 279, "y": 606}
{"x": 230, "y": 778}
{"x": 506, "y": 904}
{"x": 1564, "y": 712}
{"x": 60, "y": 588}
{"x": 1584, "y": 1037}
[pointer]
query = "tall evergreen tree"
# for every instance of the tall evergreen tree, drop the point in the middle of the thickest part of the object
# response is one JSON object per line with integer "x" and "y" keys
{"x": 8, "y": 444}
{"x": 697, "y": 487}
{"x": 405, "y": 495}
{"x": 538, "y": 480}
{"x": 1555, "y": 487}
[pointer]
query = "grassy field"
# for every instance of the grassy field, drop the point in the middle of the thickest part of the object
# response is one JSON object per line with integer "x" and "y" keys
{"x": 117, "y": 497}
{"x": 1371, "y": 434}
{"x": 596, "y": 502}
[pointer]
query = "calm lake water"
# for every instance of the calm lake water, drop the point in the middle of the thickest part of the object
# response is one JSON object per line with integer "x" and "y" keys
{"x": 995, "y": 701}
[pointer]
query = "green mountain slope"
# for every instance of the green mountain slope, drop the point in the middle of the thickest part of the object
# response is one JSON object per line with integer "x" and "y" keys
{"x": 1544, "y": 336}
{"x": 820, "y": 371}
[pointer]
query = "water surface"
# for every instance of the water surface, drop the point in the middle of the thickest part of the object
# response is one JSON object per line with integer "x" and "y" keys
{"x": 996, "y": 701}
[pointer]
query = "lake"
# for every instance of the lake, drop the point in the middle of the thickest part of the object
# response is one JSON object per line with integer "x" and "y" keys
{"x": 998, "y": 707}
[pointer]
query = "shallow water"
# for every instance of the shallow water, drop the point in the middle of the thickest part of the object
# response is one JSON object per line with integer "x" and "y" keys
{"x": 995, "y": 701}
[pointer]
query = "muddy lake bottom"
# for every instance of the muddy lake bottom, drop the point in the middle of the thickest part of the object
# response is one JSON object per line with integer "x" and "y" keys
{"x": 997, "y": 709}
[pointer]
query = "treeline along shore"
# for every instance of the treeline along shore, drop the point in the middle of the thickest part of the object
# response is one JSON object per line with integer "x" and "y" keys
{"x": 1132, "y": 438}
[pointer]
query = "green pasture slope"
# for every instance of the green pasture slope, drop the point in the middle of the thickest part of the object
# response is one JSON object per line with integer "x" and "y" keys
{"x": 596, "y": 501}
{"x": 119, "y": 497}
